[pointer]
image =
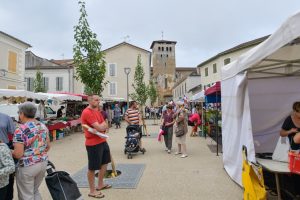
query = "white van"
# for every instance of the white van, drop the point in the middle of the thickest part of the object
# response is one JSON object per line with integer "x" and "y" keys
{"x": 12, "y": 110}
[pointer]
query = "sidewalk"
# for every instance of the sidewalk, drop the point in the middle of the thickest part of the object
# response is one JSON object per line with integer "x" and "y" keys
{"x": 166, "y": 176}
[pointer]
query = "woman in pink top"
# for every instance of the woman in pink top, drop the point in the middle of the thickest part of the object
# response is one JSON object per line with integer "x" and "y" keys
{"x": 196, "y": 119}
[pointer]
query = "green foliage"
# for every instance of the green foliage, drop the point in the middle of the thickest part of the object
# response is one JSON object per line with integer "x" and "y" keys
{"x": 87, "y": 55}
{"x": 152, "y": 93}
{"x": 141, "y": 90}
{"x": 38, "y": 84}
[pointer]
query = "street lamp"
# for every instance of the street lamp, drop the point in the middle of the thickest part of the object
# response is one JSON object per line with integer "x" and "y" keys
{"x": 127, "y": 71}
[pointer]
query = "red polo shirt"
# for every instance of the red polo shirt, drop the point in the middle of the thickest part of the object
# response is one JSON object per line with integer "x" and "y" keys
{"x": 89, "y": 117}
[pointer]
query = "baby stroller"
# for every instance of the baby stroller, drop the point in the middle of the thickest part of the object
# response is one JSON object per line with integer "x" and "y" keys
{"x": 60, "y": 185}
{"x": 132, "y": 144}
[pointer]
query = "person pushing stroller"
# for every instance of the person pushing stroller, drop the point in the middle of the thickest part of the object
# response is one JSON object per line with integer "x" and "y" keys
{"x": 133, "y": 117}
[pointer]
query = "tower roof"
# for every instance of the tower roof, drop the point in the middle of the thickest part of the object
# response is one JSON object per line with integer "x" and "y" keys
{"x": 162, "y": 42}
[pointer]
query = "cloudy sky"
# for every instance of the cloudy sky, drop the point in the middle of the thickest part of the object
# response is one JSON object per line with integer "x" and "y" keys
{"x": 201, "y": 28}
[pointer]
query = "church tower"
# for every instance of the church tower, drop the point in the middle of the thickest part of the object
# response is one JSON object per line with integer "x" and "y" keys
{"x": 164, "y": 64}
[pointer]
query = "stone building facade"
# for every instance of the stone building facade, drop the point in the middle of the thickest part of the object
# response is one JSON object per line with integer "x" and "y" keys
{"x": 164, "y": 68}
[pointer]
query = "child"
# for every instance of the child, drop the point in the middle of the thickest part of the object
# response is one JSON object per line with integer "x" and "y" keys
{"x": 7, "y": 167}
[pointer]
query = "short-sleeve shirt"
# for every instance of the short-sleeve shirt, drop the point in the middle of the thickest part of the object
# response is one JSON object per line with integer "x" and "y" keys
{"x": 7, "y": 128}
{"x": 287, "y": 125}
{"x": 33, "y": 135}
{"x": 168, "y": 117}
{"x": 133, "y": 116}
{"x": 89, "y": 117}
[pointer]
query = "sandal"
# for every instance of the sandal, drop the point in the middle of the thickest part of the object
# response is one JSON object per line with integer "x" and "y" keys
{"x": 104, "y": 187}
{"x": 97, "y": 196}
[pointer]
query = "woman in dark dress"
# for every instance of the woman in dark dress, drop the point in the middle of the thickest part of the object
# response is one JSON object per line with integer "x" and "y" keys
{"x": 291, "y": 127}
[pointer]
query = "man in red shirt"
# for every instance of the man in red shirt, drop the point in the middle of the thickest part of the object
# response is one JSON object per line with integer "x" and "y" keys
{"x": 97, "y": 148}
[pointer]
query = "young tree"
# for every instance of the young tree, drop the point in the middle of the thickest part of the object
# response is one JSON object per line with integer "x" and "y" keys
{"x": 87, "y": 55}
{"x": 140, "y": 94}
{"x": 38, "y": 84}
{"x": 141, "y": 89}
{"x": 152, "y": 93}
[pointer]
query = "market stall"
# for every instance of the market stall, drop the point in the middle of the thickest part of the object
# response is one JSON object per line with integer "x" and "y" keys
{"x": 70, "y": 121}
{"x": 10, "y": 99}
{"x": 213, "y": 96}
{"x": 258, "y": 90}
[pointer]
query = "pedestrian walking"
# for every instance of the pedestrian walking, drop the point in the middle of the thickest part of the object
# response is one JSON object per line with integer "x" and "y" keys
{"x": 181, "y": 129}
{"x": 7, "y": 129}
{"x": 167, "y": 122}
{"x": 110, "y": 116}
{"x": 133, "y": 117}
{"x": 117, "y": 116}
{"x": 98, "y": 151}
{"x": 31, "y": 144}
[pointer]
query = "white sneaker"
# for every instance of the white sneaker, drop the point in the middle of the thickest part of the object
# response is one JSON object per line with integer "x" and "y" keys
{"x": 169, "y": 151}
{"x": 177, "y": 153}
{"x": 183, "y": 156}
{"x": 166, "y": 149}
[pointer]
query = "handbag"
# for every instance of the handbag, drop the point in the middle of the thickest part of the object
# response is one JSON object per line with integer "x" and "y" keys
{"x": 282, "y": 149}
{"x": 252, "y": 179}
{"x": 179, "y": 132}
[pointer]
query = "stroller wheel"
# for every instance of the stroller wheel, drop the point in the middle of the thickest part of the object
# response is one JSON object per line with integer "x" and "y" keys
{"x": 125, "y": 152}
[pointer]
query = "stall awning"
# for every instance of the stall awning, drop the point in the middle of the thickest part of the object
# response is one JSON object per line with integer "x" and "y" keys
{"x": 213, "y": 89}
{"x": 21, "y": 93}
{"x": 113, "y": 99}
{"x": 198, "y": 96}
{"x": 83, "y": 96}
{"x": 62, "y": 97}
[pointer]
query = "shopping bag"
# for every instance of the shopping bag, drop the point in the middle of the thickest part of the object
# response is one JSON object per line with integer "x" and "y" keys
{"x": 159, "y": 136}
{"x": 282, "y": 150}
{"x": 252, "y": 179}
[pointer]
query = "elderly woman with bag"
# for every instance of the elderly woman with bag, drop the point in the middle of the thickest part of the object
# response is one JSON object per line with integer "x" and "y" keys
{"x": 31, "y": 143}
{"x": 181, "y": 130}
{"x": 167, "y": 122}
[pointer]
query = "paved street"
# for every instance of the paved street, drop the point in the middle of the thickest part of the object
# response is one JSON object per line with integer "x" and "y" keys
{"x": 166, "y": 176}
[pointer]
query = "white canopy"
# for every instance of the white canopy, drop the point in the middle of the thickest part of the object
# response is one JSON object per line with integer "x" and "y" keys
{"x": 62, "y": 97}
{"x": 21, "y": 93}
{"x": 258, "y": 90}
{"x": 198, "y": 97}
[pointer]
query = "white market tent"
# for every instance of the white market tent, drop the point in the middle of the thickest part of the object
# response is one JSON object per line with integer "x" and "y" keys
{"x": 62, "y": 97}
{"x": 258, "y": 90}
{"x": 198, "y": 97}
{"x": 21, "y": 93}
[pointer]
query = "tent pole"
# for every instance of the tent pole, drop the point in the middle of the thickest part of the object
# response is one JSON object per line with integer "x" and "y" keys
{"x": 216, "y": 124}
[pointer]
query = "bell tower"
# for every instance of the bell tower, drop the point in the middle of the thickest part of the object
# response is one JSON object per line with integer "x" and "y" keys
{"x": 164, "y": 64}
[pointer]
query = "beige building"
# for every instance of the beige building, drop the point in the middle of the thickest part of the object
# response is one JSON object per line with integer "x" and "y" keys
{"x": 183, "y": 88}
{"x": 164, "y": 68}
{"x": 210, "y": 70}
{"x": 57, "y": 75}
{"x": 12, "y": 62}
{"x": 118, "y": 57}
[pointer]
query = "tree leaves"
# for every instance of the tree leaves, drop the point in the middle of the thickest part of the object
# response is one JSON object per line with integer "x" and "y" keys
{"x": 87, "y": 55}
{"x": 38, "y": 84}
{"x": 141, "y": 90}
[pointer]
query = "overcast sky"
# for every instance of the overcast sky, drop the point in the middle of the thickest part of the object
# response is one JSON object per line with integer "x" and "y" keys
{"x": 201, "y": 28}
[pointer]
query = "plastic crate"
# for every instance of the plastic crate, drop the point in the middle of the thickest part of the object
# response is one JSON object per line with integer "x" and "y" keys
{"x": 294, "y": 162}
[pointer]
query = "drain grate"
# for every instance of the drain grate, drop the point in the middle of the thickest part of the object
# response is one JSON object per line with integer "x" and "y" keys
{"x": 129, "y": 178}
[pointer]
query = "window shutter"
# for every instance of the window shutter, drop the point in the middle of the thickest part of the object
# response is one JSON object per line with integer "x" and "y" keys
{"x": 57, "y": 83}
{"x": 12, "y": 61}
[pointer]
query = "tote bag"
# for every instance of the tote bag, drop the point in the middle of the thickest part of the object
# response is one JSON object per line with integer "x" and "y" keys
{"x": 252, "y": 179}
